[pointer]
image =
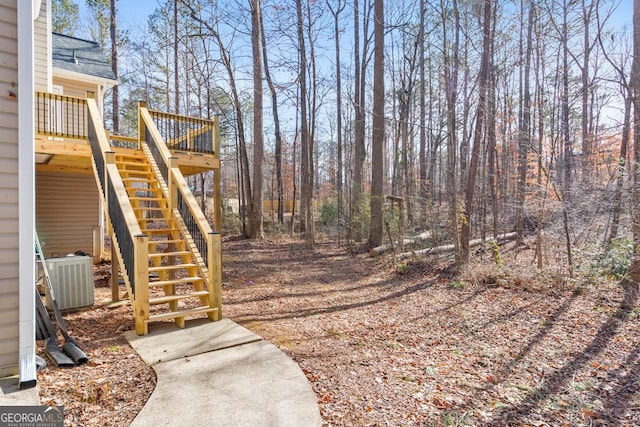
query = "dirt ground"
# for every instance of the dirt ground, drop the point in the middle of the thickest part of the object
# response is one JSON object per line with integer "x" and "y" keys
{"x": 383, "y": 344}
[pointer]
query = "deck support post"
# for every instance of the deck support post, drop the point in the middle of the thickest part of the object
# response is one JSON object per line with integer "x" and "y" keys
{"x": 214, "y": 243}
{"x": 141, "y": 274}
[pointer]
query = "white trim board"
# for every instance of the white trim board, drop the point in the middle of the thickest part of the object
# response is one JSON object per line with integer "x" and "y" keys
{"x": 26, "y": 193}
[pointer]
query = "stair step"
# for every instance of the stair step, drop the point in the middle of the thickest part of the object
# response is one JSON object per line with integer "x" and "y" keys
{"x": 137, "y": 179}
{"x": 129, "y": 163}
{"x": 180, "y": 281}
{"x": 182, "y": 313}
{"x": 154, "y": 220}
{"x": 138, "y": 190}
{"x": 161, "y": 254}
{"x": 170, "y": 298}
{"x": 123, "y": 155}
{"x": 147, "y": 199}
{"x": 158, "y": 230}
{"x": 164, "y": 242}
{"x": 171, "y": 267}
{"x": 144, "y": 169}
{"x": 151, "y": 208}
{"x": 137, "y": 174}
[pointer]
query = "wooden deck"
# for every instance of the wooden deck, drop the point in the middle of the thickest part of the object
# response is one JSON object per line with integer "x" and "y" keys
{"x": 61, "y": 141}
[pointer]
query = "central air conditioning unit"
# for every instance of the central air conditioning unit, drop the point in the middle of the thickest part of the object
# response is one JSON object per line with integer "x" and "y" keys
{"x": 72, "y": 282}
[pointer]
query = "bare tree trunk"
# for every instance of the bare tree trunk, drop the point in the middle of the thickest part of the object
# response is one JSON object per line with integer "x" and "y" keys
{"x": 540, "y": 95}
{"x": 255, "y": 213}
{"x": 356, "y": 182}
{"x": 176, "y": 62}
{"x": 306, "y": 190}
{"x": 115, "y": 91}
{"x": 624, "y": 142}
{"x": 564, "y": 122}
{"x": 422, "y": 156}
{"x": 524, "y": 134}
{"x": 465, "y": 234}
{"x": 359, "y": 118}
{"x": 634, "y": 271}
{"x": 587, "y": 11}
{"x": 339, "y": 167}
{"x": 276, "y": 124}
{"x": 451, "y": 89}
{"x": 311, "y": 133}
{"x": 491, "y": 131}
{"x": 377, "y": 143}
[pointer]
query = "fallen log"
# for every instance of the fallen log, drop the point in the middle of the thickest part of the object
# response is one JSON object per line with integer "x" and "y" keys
{"x": 448, "y": 248}
{"x": 408, "y": 241}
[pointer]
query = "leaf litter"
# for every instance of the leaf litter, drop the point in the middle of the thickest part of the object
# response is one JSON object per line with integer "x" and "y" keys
{"x": 500, "y": 346}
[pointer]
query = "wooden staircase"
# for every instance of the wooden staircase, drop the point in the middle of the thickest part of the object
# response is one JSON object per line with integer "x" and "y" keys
{"x": 177, "y": 275}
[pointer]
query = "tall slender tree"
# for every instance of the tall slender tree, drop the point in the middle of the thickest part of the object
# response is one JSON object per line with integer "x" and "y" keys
{"x": 524, "y": 133}
{"x": 306, "y": 191}
{"x": 465, "y": 233}
{"x": 255, "y": 211}
{"x": 335, "y": 11}
{"x": 276, "y": 124}
{"x": 115, "y": 91}
{"x": 450, "y": 65}
{"x": 635, "y": 84}
{"x": 377, "y": 143}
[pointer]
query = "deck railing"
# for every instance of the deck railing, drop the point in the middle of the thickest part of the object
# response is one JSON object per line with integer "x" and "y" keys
{"x": 185, "y": 133}
{"x": 61, "y": 116}
{"x": 122, "y": 141}
{"x": 192, "y": 225}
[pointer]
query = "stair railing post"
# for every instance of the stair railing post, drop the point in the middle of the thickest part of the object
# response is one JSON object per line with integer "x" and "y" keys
{"x": 141, "y": 297}
{"x": 217, "y": 192}
{"x": 214, "y": 264}
{"x": 142, "y": 127}
{"x": 173, "y": 187}
{"x": 109, "y": 159}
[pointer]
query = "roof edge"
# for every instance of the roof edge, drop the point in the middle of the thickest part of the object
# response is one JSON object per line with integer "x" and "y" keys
{"x": 74, "y": 75}
{"x": 76, "y": 38}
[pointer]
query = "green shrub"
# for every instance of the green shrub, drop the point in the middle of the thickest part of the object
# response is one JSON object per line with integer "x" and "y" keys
{"x": 617, "y": 260}
{"x": 329, "y": 214}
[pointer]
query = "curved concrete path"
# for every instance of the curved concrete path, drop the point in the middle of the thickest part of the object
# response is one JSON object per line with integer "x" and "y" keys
{"x": 221, "y": 373}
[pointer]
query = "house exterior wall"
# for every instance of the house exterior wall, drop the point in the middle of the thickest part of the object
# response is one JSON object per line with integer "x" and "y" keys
{"x": 67, "y": 212}
{"x": 42, "y": 49}
{"x": 9, "y": 267}
{"x": 75, "y": 88}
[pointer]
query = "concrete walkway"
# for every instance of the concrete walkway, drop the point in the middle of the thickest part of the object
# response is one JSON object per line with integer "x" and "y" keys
{"x": 12, "y": 395}
{"x": 219, "y": 373}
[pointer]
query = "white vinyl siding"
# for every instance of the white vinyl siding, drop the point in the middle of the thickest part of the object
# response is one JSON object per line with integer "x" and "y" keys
{"x": 67, "y": 212}
{"x": 9, "y": 286}
{"x": 41, "y": 50}
{"x": 75, "y": 88}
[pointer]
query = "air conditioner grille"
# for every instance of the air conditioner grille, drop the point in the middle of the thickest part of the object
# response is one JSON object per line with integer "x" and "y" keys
{"x": 72, "y": 282}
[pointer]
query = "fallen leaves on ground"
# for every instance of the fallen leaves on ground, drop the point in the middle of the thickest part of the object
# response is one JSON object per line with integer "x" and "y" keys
{"x": 497, "y": 346}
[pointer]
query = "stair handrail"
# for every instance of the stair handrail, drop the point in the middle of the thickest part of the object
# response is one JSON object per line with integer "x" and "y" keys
{"x": 132, "y": 245}
{"x": 180, "y": 197}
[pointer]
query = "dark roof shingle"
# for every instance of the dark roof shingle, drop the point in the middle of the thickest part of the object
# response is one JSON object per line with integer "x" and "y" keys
{"x": 81, "y": 56}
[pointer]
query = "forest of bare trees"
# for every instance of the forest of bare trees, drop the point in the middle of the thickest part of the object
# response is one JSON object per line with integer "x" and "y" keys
{"x": 464, "y": 119}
